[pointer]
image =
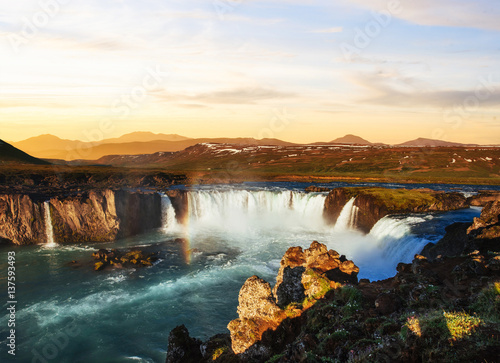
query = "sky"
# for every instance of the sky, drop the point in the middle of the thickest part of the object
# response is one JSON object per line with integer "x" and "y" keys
{"x": 302, "y": 71}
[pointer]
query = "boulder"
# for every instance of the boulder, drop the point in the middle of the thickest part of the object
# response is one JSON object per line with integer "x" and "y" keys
{"x": 257, "y": 312}
{"x": 182, "y": 348}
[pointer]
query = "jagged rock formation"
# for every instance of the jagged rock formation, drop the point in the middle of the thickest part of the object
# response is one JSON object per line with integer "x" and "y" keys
{"x": 375, "y": 203}
{"x": 257, "y": 312}
{"x": 462, "y": 238}
{"x": 21, "y": 220}
{"x": 97, "y": 216}
{"x": 304, "y": 276}
{"x": 300, "y": 272}
{"x": 442, "y": 311}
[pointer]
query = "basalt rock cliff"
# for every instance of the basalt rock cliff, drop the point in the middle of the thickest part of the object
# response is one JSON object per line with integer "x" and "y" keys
{"x": 21, "y": 220}
{"x": 97, "y": 216}
{"x": 375, "y": 203}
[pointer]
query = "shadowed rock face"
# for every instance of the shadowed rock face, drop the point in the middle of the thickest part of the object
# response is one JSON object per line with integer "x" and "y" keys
{"x": 97, "y": 216}
{"x": 375, "y": 203}
{"x": 179, "y": 199}
{"x": 182, "y": 348}
{"x": 462, "y": 238}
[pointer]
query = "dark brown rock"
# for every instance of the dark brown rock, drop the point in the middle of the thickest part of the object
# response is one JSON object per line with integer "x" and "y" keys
{"x": 387, "y": 303}
{"x": 182, "y": 348}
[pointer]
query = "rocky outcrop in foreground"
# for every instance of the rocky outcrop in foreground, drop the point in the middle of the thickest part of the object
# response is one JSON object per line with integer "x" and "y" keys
{"x": 442, "y": 311}
{"x": 305, "y": 276}
{"x": 375, "y": 203}
{"x": 483, "y": 234}
{"x": 97, "y": 216}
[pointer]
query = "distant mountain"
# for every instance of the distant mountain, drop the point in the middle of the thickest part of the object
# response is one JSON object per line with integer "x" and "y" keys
{"x": 144, "y": 136}
{"x": 350, "y": 139}
{"x": 11, "y": 155}
{"x": 422, "y": 142}
{"x": 52, "y": 147}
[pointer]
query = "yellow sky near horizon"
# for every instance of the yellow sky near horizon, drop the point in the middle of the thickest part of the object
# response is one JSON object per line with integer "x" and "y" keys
{"x": 297, "y": 71}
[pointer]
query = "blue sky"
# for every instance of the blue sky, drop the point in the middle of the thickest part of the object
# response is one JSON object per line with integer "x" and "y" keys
{"x": 388, "y": 71}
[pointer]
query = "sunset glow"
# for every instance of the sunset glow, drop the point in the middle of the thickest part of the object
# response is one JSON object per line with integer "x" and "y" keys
{"x": 300, "y": 71}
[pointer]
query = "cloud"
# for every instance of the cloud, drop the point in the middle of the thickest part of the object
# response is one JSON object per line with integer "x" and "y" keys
{"x": 337, "y": 29}
{"x": 480, "y": 14}
{"x": 393, "y": 89}
{"x": 247, "y": 95}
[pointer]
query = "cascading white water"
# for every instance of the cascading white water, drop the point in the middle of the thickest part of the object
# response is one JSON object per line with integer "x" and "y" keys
{"x": 348, "y": 216}
{"x": 49, "y": 230}
{"x": 168, "y": 219}
{"x": 240, "y": 209}
{"x": 394, "y": 237}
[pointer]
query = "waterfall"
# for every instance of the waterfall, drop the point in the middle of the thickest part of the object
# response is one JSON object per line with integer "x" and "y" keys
{"x": 167, "y": 213}
{"x": 241, "y": 209}
{"x": 49, "y": 230}
{"x": 393, "y": 235}
{"x": 348, "y": 216}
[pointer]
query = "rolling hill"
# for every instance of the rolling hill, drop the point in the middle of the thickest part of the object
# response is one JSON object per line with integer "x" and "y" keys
{"x": 350, "y": 139}
{"x": 422, "y": 142}
{"x": 10, "y": 155}
{"x": 228, "y": 161}
{"x": 52, "y": 147}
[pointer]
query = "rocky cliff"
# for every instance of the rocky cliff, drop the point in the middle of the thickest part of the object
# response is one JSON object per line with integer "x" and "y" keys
{"x": 443, "y": 311}
{"x": 375, "y": 203}
{"x": 461, "y": 238}
{"x": 305, "y": 276}
{"x": 21, "y": 220}
{"x": 97, "y": 216}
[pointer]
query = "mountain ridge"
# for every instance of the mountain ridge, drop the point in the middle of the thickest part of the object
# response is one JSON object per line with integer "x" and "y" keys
{"x": 12, "y": 155}
{"x": 48, "y": 146}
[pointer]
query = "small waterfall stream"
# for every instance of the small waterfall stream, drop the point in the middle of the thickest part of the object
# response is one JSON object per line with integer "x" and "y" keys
{"x": 49, "y": 229}
{"x": 348, "y": 217}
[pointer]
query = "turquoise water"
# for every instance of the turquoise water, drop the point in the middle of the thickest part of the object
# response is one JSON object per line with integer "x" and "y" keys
{"x": 73, "y": 314}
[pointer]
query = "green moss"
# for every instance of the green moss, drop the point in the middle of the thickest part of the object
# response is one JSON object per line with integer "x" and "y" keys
{"x": 487, "y": 303}
{"x": 219, "y": 351}
{"x": 395, "y": 199}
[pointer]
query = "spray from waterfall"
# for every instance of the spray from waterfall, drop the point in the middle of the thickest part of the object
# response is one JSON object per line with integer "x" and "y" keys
{"x": 168, "y": 218}
{"x": 243, "y": 210}
{"x": 49, "y": 229}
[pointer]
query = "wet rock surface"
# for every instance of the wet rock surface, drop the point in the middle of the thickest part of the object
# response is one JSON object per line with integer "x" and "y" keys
{"x": 123, "y": 259}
